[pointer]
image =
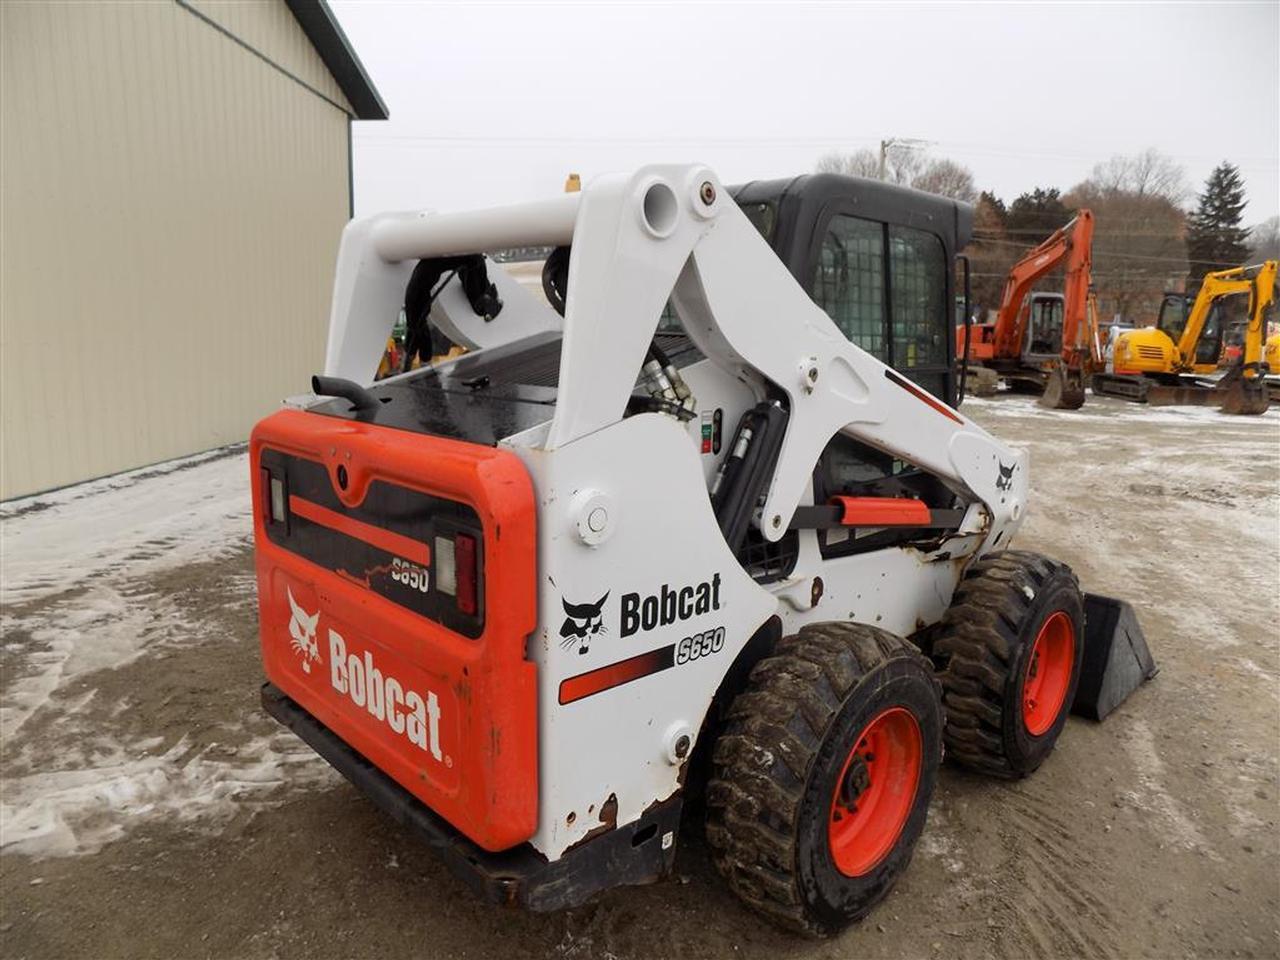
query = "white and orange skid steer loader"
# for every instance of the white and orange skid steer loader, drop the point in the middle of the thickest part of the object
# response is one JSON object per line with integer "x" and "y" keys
{"x": 682, "y": 532}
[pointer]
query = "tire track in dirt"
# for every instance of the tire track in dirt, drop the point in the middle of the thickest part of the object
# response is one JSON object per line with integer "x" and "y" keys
{"x": 1057, "y": 916}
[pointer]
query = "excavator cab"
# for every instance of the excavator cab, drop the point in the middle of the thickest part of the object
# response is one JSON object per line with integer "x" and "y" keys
{"x": 1209, "y": 347}
{"x": 1172, "y": 319}
{"x": 1043, "y": 326}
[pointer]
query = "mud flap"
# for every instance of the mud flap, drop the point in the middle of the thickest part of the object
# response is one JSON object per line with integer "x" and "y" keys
{"x": 1116, "y": 658}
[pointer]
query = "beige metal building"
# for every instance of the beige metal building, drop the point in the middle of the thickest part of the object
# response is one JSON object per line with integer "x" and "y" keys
{"x": 175, "y": 176}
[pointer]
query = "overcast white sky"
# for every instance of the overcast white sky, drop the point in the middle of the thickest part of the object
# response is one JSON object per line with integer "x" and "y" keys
{"x": 492, "y": 103}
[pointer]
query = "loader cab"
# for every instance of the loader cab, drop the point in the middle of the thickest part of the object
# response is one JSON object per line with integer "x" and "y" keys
{"x": 878, "y": 258}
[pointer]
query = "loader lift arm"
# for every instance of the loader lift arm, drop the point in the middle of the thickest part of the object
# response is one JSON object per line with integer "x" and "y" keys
{"x": 637, "y": 243}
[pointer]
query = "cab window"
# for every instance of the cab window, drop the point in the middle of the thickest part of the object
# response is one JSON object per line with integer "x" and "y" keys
{"x": 763, "y": 217}
{"x": 918, "y": 287}
{"x": 899, "y": 315}
{"x": 1173, "y": 316}
{"x": 1044, "y": 331}
{"x": 849, "y": 281}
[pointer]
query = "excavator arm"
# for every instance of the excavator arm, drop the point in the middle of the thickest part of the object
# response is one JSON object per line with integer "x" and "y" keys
{"x": 1262, "y": 301}
{"x": 1071, "y": 245}
{"x": 1215, "y": 286}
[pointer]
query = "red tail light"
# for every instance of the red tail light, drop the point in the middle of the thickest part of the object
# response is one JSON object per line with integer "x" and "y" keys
{"x": 464, "y": 551}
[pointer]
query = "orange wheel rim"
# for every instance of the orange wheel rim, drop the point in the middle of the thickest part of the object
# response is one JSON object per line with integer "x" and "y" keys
{"x": 1044, "y": 690}
{"x": 875, "y": 792}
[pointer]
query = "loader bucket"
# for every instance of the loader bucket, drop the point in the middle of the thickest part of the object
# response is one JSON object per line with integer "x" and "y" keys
{"x": 1116, "y": 658}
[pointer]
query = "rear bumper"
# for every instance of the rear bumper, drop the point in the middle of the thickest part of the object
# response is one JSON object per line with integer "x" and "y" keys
{"x": 640, "y": 852}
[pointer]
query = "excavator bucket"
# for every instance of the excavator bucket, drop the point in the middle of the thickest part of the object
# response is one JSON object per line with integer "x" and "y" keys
{"x": 1244, "y": 397}
{"x": 1116, "y": 658}
{"x": 1063, "y": 390}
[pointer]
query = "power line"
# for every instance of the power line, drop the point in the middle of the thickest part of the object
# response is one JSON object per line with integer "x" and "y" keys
{"x": 832, "y": 143}
{"x": 1115, "y": 254}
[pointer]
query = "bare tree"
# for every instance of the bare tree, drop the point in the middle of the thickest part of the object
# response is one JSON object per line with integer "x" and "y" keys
{"x": 1139, "y": 246}
{"x": 1149, "y": 173}
{"x": 907, "y": 165}
{"x": 862, "y": 163}
{"x": 991, "y": 253}
{"x": 903, "y": 162}
{"x": 1264, "y": 240}
{"x": 947, "y": 178}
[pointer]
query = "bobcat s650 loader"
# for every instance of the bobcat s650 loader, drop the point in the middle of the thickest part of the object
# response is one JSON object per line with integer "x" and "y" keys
{"x": 681, "y": 539}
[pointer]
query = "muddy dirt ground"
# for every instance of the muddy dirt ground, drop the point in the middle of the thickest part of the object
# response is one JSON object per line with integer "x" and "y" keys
{"x": 152, "y": 810}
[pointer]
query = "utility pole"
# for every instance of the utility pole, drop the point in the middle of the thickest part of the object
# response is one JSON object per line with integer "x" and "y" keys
{"x": 911, "y": 143}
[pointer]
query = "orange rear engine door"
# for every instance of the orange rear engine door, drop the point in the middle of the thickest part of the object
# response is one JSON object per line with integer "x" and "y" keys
{"x": 396, "y": 591}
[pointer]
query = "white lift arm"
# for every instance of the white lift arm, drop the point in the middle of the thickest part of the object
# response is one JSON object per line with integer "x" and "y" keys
{"x": 673, "y": 232}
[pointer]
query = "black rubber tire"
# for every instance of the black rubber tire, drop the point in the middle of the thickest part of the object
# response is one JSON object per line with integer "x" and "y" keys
{"x": 982, "y": 653}
{"x": 775, "y": 766}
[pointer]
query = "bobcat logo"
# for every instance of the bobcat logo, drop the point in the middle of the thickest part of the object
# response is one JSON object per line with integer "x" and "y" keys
{"x": 1005, "y": 480}
{"x": 582, "y": 621}
{"x": 302, "y": 628}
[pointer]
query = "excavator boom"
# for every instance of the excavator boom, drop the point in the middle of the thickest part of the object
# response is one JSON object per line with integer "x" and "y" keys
{"x": 1216, "y": 286}
{"x": 1071, "y": 245}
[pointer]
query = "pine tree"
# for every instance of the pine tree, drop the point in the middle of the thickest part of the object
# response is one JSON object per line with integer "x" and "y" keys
{"x": 1215, "y": 238}
{"x": 1035, "y": 215}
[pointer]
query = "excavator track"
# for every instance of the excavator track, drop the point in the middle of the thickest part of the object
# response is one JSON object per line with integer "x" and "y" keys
{"x": 1122, "y": 386}
{"x": 1234, "y": 395}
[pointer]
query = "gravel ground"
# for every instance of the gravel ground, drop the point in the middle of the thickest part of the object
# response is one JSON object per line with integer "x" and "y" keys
{"x": 151, "y": 810}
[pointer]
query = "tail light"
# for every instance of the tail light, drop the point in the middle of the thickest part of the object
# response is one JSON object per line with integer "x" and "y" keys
{"x": 464, "y": 555}
{"x": 457, "y": 571}
{"x": 275, "y": 499}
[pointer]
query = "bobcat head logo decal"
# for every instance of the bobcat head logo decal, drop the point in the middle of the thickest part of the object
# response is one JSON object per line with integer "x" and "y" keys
{"x": 302, "y": 630}
{"x": 1005, "y": 480}
{"x": 582, "y": 622}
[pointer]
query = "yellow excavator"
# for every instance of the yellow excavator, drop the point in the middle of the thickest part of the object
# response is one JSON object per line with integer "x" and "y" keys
{"x": 1272, "y": 356}
{"x": 1170, "y": 362}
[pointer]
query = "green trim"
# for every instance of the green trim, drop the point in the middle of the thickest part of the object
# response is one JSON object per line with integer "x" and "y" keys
{"x": 261, "y": 56}
{"x": 326, "y": 35}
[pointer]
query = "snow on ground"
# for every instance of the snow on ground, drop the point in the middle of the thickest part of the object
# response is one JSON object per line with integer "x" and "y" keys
{"x": 191, "y": 509}
{"x": 97, "y": 628}
{"x": 78, "y": 809}
{"x": 75, "y": 600}
{"x": 79, "y": 602}
{"x": 1119, "y": 412}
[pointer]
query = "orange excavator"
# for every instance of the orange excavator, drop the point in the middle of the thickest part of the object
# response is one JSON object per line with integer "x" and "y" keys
{"x": 1041, "y": 342}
